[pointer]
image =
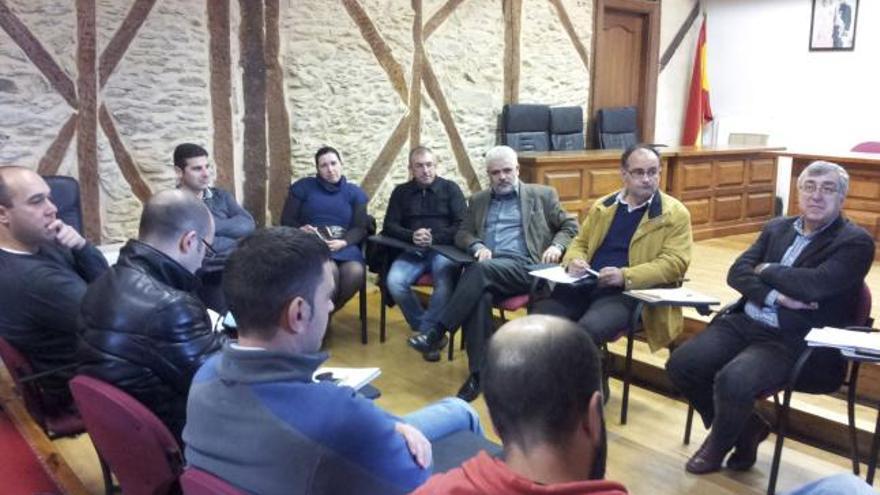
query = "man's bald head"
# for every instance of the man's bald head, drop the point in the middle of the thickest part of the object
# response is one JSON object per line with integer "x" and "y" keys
{"x": 170, "y": 214}
{"x": 9, "y": 176}
{"x": 540, "y": 375}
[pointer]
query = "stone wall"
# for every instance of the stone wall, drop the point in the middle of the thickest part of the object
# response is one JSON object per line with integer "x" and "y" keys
{"x": 336, "y": 91}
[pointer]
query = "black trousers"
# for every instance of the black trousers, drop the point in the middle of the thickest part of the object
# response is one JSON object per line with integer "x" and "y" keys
{"x": 470, "y": 305}
{"x": 602, "y": 312}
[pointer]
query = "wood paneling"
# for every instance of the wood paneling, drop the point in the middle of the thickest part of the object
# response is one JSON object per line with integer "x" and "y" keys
{"x": 725, "y": 208}
{"x": 566, "y": 183}
{"x": 699, "y": 210}
{"x": 758, "y": 204}
{"x": 696, "y": 176}
{"x": 730, "y": 173}
{"x": 762, "y": 171}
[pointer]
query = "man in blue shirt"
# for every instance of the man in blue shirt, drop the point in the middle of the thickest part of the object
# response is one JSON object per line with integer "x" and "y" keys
{"x": 255, "y": 417}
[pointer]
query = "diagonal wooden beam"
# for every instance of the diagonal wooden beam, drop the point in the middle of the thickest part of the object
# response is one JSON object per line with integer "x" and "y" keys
{"x": 277, "y": 119}
{"x": 378, "y": 46}
{"x": 221, "y": 91}
{"x": 415, "y": 87}
{"x": 679, "y": 36}
{"x": 55, "y": 154}
{"x": 38, "y": 55}
{"x": 572, "y": 35}
{"x": 382, "y": 164}
{"x": 126, "y": 163}
{"x": 254, "y": 88}
{"x": 432, "y": 85}
{"x": 439, "y": 17}
{"x": 117, "y": 46}
{"x": 87, "y": 141}
{"x": 512, "y": 29}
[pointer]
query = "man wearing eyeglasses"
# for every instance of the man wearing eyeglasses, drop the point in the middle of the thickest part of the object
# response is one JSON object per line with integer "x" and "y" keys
{"x": 803, "y": 272}
{"x": 143, "y": 328}
{"x": 635, "y": 238}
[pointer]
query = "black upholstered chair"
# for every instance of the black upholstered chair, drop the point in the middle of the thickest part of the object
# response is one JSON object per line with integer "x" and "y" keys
{"x": 567, "y": 128}
{"x": 526, "y": 127}
{"x": 65, "y": 195}
{"x": 617, "y": 128}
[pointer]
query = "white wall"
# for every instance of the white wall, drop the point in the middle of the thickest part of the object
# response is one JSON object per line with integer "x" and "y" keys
{"x": 674, "y": 80}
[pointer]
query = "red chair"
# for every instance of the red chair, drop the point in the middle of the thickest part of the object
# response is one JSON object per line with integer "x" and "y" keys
{"x": 138, "y": 448}
{"x": 56, "y": 424}
{"x": 867, "y": 147}
{"x": 194, "y": 481}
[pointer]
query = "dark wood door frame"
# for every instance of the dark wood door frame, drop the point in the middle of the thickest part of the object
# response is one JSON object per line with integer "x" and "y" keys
{"x": 651, "y": 10}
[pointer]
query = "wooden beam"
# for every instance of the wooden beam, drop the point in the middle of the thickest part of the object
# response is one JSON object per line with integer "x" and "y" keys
{"x": 278, "y": 120}
{"x": 55, "y": 154}
{"x": 87, "y": 142}
{"x": 439, "y": 17}
{"x": 37, "y": 54}
{"x": 221, "y": 92}
{"x": 118, "y": 45}
{"x": 415, "y": 87}
{"x": 572, "y": 35}
{"x": 379, "y": 48}
{"x": 432, "y": 86}
{"x": 382, "y": 164}
{"x": 679, "y": 36}
{"x": 126, "y": 163}
{"x": 512, "y": 29}
{"x": 254, "y": 89}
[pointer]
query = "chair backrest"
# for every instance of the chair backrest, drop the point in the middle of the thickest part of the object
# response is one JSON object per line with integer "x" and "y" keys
{"x": 867, "y": 147}
{"x": 194, "y": 481}
{"x": 19, "y": 367}
{"x": 567, "y": 128}
{"x": 65, "y": 195}
{"x": 748, "y": 138}
{"x": 139, "y": 449}
{"x": 862, "y": 314}
{"x": 617, "y": 128}
{"x": 526, "y": 127}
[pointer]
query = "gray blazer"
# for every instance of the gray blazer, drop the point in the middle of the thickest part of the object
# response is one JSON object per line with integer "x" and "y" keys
{"x": 544, "y": 220}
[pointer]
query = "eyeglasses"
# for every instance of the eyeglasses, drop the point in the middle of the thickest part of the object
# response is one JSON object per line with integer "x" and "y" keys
{"x": 210, "y": 252}
{"x": 824, "y": 190}
{"x": 641, "y": 174}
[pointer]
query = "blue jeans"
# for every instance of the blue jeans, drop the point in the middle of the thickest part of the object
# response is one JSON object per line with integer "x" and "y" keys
{"x": 444, "y": 417}
{"x": 834, "y": 485}
{"x": 406, "y": 269}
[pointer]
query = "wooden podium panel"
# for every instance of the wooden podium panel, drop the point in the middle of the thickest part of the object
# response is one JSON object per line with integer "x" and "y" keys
{"x": 862, "y": 204}
{"x": 727, "y": 189}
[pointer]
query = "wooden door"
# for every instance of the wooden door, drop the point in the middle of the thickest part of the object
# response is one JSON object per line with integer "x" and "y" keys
{"x": 626, "y": 59}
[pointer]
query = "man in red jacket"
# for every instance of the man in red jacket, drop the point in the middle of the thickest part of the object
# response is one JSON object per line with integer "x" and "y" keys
{"x": 542, "y": 389}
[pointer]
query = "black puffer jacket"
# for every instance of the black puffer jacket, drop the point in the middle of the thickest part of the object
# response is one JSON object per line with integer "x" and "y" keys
{"x": 146, "y": 332}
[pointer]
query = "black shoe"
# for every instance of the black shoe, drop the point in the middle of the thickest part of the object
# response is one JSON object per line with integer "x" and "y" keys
{"x": 432, "y": 340}
{"x": 746, "y": 452}
{"x": 707, "y": 459}
{"x": 431, "y": 356}
{"x": 470, "y": 390}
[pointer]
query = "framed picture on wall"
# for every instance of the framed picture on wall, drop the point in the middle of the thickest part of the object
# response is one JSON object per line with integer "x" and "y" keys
{"x": 833, "y": 25}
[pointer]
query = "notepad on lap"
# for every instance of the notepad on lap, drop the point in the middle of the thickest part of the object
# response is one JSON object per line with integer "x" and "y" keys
{"x": 355, "y": 378}
{"x": 680, "y": 296}
{"x": 560, "y": 276}
{"x": 862, "y": 342}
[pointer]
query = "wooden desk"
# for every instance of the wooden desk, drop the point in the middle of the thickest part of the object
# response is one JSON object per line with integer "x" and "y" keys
{"x": 728, "y": 189}
{"x": 862, "y": 203}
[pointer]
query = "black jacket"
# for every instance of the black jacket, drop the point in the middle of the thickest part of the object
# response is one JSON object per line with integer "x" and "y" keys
{"x": 145, "y": 331}
{"x": 439, "y": 207}
{"x": 830, "y": 271}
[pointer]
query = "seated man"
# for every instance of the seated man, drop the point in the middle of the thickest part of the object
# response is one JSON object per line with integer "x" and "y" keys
{"x": 542, "y": 388}
{"x": 257, "y": 419}
{"x": 231, "y": 221}
{"x": 426, "y": 210}
{"x": 507, "y": 228}
{"x": 636, "y": 238}
{"x": 144, "y": 330}
{"x": 45, "y": 266}
{"x": 803, "y": 272}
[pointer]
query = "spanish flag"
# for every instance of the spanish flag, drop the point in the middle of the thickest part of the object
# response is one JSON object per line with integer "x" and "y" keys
{"x": 698, "y": 110}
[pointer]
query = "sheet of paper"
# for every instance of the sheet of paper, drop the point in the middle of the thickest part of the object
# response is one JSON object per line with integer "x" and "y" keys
{"x": 844, "y": 339}
{"x": 677, "y": 295}
{"x": 560, "y": 276}
{"x": 355, "y": 378}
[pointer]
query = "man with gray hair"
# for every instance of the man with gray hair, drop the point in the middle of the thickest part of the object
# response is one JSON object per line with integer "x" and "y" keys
{"x": 508, "y": 228}
{"x": 144, "y": 329}
{"x": 803, "y": 272}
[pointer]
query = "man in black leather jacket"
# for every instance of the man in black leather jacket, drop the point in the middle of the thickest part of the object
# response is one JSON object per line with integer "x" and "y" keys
{"x": 144, "y": 330}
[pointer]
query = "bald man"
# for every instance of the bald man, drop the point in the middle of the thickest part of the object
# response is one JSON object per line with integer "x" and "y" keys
{"x": 45, "y": 266}
{"x": 144, "y": 329}
{"x": 541, "y": 383}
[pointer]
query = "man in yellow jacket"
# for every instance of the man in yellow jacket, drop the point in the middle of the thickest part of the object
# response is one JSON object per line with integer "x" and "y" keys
{"x": 636, "y": 238}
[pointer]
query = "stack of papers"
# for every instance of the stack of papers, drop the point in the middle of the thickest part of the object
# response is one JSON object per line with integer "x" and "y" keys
{"x": 847, "y": 340}
{"x": 355, "y": 378}
{"x": 679, "y": 296}
{"x": 560, "y": 276}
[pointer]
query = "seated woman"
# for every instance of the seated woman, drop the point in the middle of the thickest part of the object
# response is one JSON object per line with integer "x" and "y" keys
{"x": 335, "y": 210}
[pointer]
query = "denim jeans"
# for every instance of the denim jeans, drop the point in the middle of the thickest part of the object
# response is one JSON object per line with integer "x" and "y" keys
{"x": 444, "y": 417}
{"x": 404, "y": 272}
{"x": 834, "y": 485}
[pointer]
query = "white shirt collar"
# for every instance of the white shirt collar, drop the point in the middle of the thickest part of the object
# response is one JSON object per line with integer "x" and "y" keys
{"x": 630, "y": 208}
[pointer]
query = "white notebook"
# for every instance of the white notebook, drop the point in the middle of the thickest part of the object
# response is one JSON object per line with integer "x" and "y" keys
{"x": 355, "y": 378}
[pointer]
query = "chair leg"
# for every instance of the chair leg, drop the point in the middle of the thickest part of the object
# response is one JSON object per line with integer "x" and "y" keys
{"x": 689, "y": 423}
{"x": 781, "y": 424}
{"x": 627, "y": 369}
{"x": 107, "y": 475}
{"x": 451, "y": 349}
{"x": 363, "y": 311}
{"x": 852, "y": 384}
{"x": 382, "y": 310}
{"x": 872, "y": 459}
{"x": 503, "y": 316}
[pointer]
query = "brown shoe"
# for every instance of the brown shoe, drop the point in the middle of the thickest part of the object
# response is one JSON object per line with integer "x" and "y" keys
{"x": 707, "y": 459}
{"x": 745, "y": 452}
